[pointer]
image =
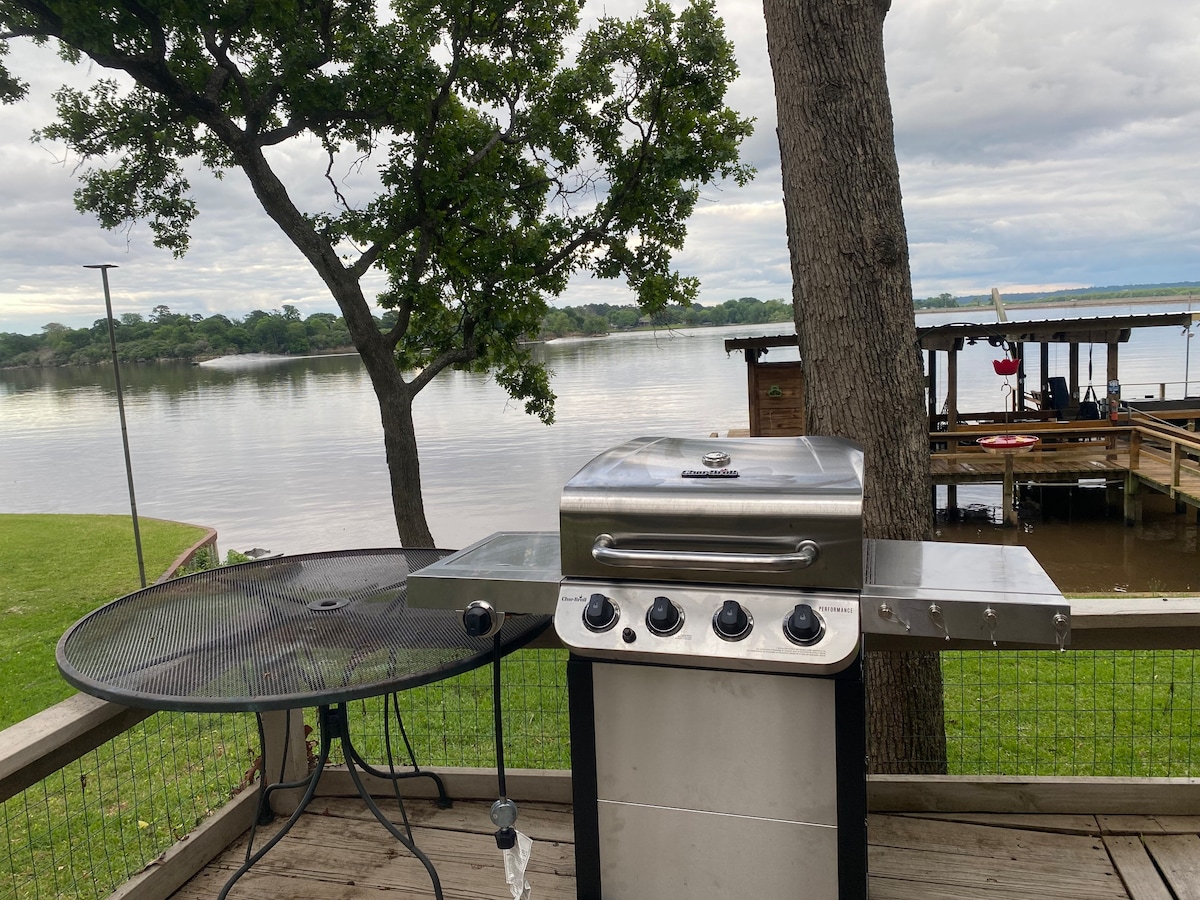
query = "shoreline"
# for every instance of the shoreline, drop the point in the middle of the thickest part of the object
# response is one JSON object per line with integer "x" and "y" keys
{"x": 1070, "y": 302}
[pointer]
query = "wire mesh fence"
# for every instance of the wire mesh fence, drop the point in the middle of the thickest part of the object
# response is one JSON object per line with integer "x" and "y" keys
{"x": 450, "y": 722}
{"x": 1100, "y": 713}
{"x": 82, "y": 831}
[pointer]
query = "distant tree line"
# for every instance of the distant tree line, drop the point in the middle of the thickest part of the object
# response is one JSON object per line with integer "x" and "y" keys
{"x": 941, "y": 301}
{"x": 1133, "y": 292}
{"x": 169, "y": 335}
{"x": 602, "y": 318}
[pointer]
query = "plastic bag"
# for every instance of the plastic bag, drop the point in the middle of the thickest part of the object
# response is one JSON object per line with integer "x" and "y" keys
{"x": 516, "y": 861}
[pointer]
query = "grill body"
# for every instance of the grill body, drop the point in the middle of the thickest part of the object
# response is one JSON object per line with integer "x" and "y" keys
{"x": 714, "y": 755}
{"x": 696, "y": 783}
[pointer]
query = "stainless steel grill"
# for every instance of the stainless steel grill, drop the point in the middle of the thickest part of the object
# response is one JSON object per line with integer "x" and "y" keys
{"x": 715, "y": 595}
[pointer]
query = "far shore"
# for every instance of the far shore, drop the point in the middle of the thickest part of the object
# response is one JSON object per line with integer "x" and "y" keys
{"x": 1073, "y": 301}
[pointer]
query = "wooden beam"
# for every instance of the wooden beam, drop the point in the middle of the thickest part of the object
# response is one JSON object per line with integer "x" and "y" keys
{"x": 1030, "y": 794}
{"x": 46, "y": 741}
{"x": 1113, "y": 375}
{"x": 1074, "y": 374}
{"x": 952, "y": 391}
{"x": 931, "y": 380}
{"x": 183, "y": 859}
{"x": 466, "y": 783}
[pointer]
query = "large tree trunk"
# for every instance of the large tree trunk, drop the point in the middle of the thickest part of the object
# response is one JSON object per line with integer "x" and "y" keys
{"x": 852, "y": 295}
{"x": 400, "y": 444}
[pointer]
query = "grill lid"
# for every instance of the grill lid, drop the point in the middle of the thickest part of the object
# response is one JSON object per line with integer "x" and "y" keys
{"x": 766, "y": 511}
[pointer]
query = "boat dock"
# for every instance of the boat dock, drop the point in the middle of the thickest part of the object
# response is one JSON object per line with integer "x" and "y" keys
{"x": 1139, "y": 452}
{"x": 1147, "y": 445}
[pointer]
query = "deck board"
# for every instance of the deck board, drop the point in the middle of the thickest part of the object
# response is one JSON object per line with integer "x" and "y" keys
{"x": 338, "y": 852}
{"x": 1178, "y": 858}
{"x": 1064, "y": 824}
{"x": 1138, "y": 872}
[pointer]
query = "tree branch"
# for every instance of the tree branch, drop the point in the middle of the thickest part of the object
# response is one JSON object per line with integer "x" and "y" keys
{"x": 463, "y": 354}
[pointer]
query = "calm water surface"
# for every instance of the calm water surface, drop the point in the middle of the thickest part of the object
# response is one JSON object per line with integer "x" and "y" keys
{"x": 287, "y": 454}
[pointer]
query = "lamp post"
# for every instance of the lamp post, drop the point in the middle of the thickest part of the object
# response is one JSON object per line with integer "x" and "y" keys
{"x": 112, "y": 343}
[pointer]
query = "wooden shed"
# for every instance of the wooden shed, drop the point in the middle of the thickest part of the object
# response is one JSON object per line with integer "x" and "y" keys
{"x": 775, "y": 389}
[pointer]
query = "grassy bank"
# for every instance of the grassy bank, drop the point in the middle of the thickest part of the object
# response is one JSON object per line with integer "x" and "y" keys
{"x": 53, "y": 570}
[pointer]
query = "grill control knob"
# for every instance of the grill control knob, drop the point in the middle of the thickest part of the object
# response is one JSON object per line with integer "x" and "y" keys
{"x": 731, "y": 621}
{"x": 600, "y": 614}
{"x": 803, "y": 626}
{"x": 664, "y": 617}
{"x": 480, "y": 619}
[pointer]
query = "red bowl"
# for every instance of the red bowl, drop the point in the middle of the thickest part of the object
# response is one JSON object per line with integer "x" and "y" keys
{"x": 1007, "y": 443}
{"x": 1006, "y": 366}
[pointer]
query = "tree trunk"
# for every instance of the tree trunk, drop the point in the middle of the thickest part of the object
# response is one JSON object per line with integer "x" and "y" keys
{"x": 400, "y": 444}
{"x": 852, "y": 295}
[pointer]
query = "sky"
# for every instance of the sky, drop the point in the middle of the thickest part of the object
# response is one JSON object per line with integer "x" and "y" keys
{"x": 1042, "y": 144}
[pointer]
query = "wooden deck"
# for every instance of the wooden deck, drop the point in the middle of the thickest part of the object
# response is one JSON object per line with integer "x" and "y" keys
{"x": 339, "y": 851}
{"x": 1137, "y": 452}
{"x": 1096, "y": 462}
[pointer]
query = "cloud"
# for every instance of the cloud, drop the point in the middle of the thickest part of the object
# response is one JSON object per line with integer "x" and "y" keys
{"x": 1039, "y": 141}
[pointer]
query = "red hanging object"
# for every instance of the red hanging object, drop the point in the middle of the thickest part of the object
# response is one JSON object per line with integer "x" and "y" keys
{"x": 1006, "y": 366}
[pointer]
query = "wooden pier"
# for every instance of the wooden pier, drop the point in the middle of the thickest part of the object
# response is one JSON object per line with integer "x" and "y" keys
{"x": 1138, "y": 452}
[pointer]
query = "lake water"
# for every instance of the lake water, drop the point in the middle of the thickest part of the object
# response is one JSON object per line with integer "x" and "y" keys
{"x": 286, "y": 454}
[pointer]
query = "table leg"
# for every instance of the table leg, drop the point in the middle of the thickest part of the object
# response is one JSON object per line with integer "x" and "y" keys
{"x": 443, "y": 800}
{"x": 334, "y": 725}
{"x": 351, "y": 755}
{"x": 322, "y": 759}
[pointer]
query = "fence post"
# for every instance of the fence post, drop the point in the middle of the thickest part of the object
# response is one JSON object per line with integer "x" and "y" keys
{"x": 283, "y": 731}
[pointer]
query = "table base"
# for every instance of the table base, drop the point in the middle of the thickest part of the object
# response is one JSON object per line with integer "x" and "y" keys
{"x": 334, "y": 726}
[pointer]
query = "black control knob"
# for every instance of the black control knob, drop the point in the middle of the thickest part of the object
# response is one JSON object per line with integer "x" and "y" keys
{"x": 731, "y": 621}
{"x": 600, "y": 614}
{"x": 803, "y": 625}
{"x": 664, "y": 617}
{"x": 480, "y": 619}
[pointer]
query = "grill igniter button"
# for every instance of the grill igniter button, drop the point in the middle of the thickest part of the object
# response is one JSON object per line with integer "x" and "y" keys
{"x": 664, "y": 617}
{"x": 731, "y": 622}
{"x": 600, "y": 614}
{"x": 803, "y": 626}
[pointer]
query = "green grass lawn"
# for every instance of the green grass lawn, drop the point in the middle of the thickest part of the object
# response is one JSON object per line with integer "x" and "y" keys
{"x": 1103, "y": 712}
{"x": 53, "y": 570}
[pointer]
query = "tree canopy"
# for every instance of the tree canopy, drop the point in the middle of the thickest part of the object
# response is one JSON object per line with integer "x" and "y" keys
{"x": 505, "y": 152}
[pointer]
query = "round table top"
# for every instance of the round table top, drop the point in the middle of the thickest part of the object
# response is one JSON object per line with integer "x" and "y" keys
{"x": 281, "y": 633}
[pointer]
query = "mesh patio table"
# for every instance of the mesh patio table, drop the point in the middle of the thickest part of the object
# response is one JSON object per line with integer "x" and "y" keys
{"x": 318, "y": 629}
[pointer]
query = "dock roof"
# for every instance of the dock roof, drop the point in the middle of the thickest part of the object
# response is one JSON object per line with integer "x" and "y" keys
{"x": 1091, "y": 330}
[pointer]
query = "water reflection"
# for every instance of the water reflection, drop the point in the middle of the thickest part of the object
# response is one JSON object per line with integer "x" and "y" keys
{"x": 1079, "y": 536}
{"x": 287, "y": 453}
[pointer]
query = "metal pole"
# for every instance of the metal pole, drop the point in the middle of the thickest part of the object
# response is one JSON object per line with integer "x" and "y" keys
{"x": 1187, "y": 358}
{"x": 112, "y": 343}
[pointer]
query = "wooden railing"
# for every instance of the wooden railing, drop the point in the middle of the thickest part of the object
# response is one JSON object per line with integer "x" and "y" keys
{"x": 1140, "y": 447}
{"x": 1176, "y": 452}
{"x": 39, "y": 746}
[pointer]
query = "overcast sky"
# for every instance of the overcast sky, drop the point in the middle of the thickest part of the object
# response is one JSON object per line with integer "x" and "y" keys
{"x": 1042, "y": 143}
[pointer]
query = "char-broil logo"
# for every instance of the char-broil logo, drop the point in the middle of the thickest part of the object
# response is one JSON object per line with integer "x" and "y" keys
{"x": 711, "y": 473}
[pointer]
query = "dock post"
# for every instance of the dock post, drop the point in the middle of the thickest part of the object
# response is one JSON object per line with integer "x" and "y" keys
{"x": 1132, "y": 504}
{"x": 1010, "y": 507}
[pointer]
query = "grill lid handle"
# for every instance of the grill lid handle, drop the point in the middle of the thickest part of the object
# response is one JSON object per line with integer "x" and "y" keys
{"x": 605, "y": 551}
